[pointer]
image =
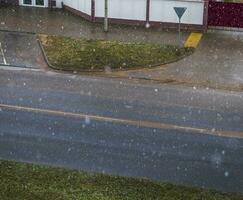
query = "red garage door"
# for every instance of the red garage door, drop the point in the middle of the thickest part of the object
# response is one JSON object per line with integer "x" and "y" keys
{"x": 225, "y": 14}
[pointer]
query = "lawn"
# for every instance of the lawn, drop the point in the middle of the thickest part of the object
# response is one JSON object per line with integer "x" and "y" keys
{"x": 97, "y": 55}
{"x": 34, "y": 182}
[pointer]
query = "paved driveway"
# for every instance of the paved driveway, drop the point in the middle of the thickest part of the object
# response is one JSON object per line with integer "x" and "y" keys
{"x": 21, "y": 50}
{"x": 217, "y": 63}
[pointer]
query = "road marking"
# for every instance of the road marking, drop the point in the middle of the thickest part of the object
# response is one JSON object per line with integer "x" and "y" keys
{"x": 193, "y": 40}
{"x": 15, "y": 68}
{"x": 138, "y": 123}
{"x": 2, "y": 52}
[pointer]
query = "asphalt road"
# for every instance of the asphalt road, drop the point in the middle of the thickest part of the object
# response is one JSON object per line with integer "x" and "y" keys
{"x": 168, "y": 133}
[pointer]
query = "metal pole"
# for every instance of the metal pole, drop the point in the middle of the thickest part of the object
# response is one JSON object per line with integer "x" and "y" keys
{"x": 106, "y": 17}
{"x": 179, "y": 32}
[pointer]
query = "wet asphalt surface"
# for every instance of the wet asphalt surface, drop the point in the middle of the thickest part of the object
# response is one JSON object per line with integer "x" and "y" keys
{"x": 177, "y": 156}
{"x": 20, "y": 50}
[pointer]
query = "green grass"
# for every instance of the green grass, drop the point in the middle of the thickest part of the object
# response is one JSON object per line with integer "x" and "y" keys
{"x": 95, "y": 55}
{"x": 21, "y": 181}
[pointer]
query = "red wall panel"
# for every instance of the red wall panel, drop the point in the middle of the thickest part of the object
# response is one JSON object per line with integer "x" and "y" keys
{"x": 225, "y": 14}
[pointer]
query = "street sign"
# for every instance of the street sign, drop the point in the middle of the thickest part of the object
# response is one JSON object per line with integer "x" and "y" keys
{"x": 180, "y": 11}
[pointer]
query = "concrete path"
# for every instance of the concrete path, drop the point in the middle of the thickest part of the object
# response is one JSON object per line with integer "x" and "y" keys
{"x": 217, "y": 63}
{"x": 167, "y": 133}
{"x": 59, "y": 22}
{"x": 20, "y": 50}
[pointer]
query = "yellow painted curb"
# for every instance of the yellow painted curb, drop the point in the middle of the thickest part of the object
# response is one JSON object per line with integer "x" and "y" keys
{"x": 193, "y": 40}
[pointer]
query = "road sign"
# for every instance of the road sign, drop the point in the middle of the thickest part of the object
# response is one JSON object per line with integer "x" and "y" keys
{"x": 180, "y": 11}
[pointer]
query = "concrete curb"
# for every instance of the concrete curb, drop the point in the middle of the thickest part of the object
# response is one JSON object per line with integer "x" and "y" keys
{"x": 224, "y": 29}
{"x": 44, "y": 54}
{"x": 13, "y": 65}
{"x": 20, "y": 32}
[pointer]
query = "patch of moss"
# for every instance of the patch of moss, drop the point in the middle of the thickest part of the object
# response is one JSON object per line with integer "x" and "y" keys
{"x": 35, "y": 182}
{"x": 91, "y": 55}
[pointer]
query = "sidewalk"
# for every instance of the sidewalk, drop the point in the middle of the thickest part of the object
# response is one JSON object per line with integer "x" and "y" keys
{"x": 217, "y": 63}
{"x": 20, "y": 50}
{"x": 59, "y": 22}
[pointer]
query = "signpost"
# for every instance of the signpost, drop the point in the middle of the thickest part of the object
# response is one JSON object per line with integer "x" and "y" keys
{"x": 106, "y": 16}
{"x": 180, "y": 12}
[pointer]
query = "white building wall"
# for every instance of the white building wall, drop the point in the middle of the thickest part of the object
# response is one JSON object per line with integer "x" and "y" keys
{"x": 122, "y": 9}
{"x": 59, "y": 3}
{"x": 163, "y": 11}
{"x": 80, "y": 5}
{"x": 160, "y": 10}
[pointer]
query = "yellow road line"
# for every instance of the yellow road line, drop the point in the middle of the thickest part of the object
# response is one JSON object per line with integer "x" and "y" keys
{"x": 138, "y": 123}
{"x": 193, "y": 40}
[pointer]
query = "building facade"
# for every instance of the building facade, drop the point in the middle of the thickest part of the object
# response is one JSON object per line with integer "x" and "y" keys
{"x": 138, "y": 12}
